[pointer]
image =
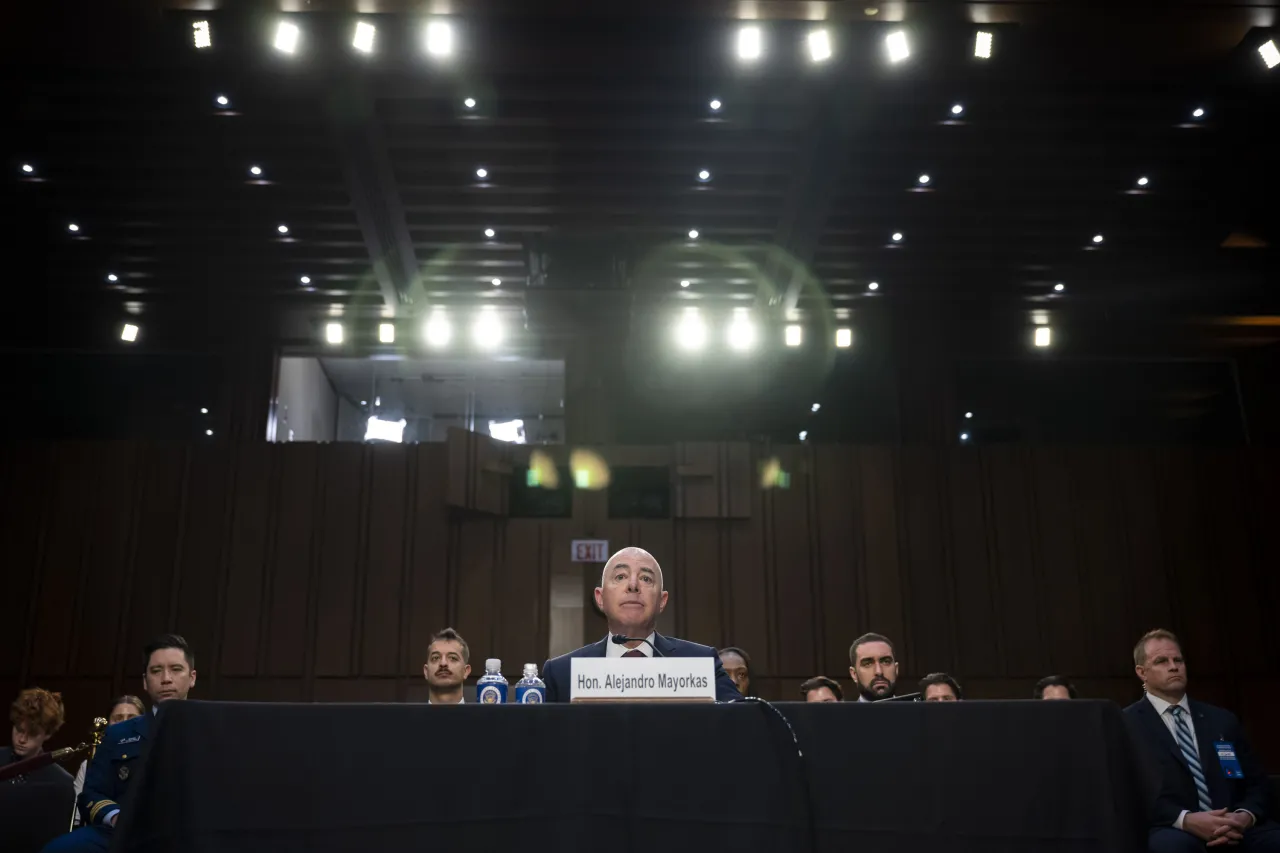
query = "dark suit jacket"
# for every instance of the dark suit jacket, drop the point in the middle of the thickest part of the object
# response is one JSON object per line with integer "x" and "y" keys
{"x": 556, "y": 671}
{"x": 1172, "y": 786}
{"x": 115, "y": 763}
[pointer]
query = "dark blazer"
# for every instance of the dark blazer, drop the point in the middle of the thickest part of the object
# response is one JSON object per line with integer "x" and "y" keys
{"x": 556, "y": 671}
{"x": 115, "y": 763}
{"x": 1171, "y": 782}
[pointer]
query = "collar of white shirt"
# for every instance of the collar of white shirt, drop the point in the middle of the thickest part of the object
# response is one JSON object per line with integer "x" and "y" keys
{"x": 461, "y": 701}
{"x": 617, "y": 650}
{"x": 1161, "y": 706}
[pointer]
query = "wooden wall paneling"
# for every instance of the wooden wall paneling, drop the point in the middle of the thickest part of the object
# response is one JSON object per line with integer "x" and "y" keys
{"x": 1224, "y": 504}
{"x": 929, "y": 644}
{"x": 794, "y": 591}
{"x": 1102, "y": 552}
{"x": 698, "y": 571}
{"x": 1071, "y": 643}
{"x": 591, "y": 521}
{"x": 1257, "y": 701}
{"x": 75, "y": 471}
{"x": 249, "y": 543}
{"x": 261, "y": 688}
{"x": 747, "y": 584}
{"x": 388, "y": 509}
{"x": 362, "y": 689}
{"x": 738, "y": 475}
{"x": 83, "y": 698}
{"x": 477, "y": 595}
{"x": 523, "y": 606}
{"x": 837, "y": 514}
{"x": 1017, "y": 588}
{"x": 158, "y": 533}
{"x": 879, "y": 487}
{"x": 697, "y": 478}
{"x": 1149, "y": 581}
{"x": 1262, "y": 486}
{"x": 25, "y": 471}
{"x": 194, "y": 609}
{"x": 429, "y": 590}
{"x": 334, "y": 639}
{"x": 298, "y": 518}
{"x": 492, "y": 477}
{"x": 657, "y": 536}
{"x": 977, "y": 635}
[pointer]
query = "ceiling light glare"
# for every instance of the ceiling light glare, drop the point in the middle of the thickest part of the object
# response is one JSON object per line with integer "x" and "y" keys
{"x": 792, "y": 336}
{"x": 204, "y": 410}
{"x": 255, "y": 170}
{"x": 439, "y": 38}
{"x": 482, "y": 173}
{"x": 306, "y": 279}
{"x": 487, "y": 331}
{"x": 362, "y": 40}
{"x": 741, "y": 334}
{"x": 1097, "y": 238}
{"x": 693, "y": 233}
{"x": 964, "y": 436}
{"x": 1143, "y": 181}
{"x": 208, "y": 432}
{"x": 982, "y": 44}
{"x": 691, "y": 331}
{"x": 815, "y": 407}
{"x": 844, "y": 338}
{"x": 222, "y": 101}
{"x": 957, "y": 109}
{"x": 896, "y": 237}
{"x": 200, "y": 32}
{"x": 469, "y": 103}
{"x": 715, "y": 105}
{"x": 377, "y": 429}
{"x": 968, "y": 416}
{"x": 387, "y": 333}
{"x": 286, "y": 37}
{"x": 129, "y": 333}
{"x": 28, "y": 169}
{"x": 704, "y": 176}
{"x": 1270, "y": 53}
{"x": 282, "y": 228}
{"x": 923, "y": 179}
{"x": 684, "y": 282}
{"x": 875, "y": 285}
{"x": 72, "y": 227}
{"x": 490, "y": 233}
{"x": 1059, "y": 287}
{"x": 1043, "y": 336}
{"x": 750, "y": 43}
{"x": 437, "y": 331}
{"x": 112, "y": 277}
{"x": 496, "y": 282}
{"x": 333, "y": 333}
{"x": 1198, "y": 112}
{"x": 897, "y": 46}
{"x": 819, "y": 45}
{"x": 804, "y": 433}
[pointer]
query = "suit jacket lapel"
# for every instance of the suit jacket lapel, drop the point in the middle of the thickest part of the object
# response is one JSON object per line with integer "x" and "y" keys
{"x": 1162, "y": 732}
{"x": 663, "y": 645}
{"x": 598, "y": 650}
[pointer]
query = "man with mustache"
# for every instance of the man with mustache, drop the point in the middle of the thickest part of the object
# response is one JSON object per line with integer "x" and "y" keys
{"x": 631, "y": 596}
{"x": 873, "y": 667}
{"x": 447, "y": 667}
{"x": 1212, "y": 790}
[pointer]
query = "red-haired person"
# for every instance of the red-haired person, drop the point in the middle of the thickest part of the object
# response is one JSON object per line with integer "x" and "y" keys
{"x": 36, "y": 716}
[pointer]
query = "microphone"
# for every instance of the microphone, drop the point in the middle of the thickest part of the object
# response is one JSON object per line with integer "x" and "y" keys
{"x": 619, "y": 640}
{"x": 905, "y": 697}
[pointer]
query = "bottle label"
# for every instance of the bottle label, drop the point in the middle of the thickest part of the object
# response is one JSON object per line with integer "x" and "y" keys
{"x": 530, "y": 695}
{"x": 491, "y": 694}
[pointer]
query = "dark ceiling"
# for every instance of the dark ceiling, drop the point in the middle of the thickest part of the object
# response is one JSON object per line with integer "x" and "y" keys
{"x": 593, "y": 129}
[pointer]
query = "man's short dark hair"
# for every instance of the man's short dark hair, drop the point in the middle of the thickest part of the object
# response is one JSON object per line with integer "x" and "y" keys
{"x": 1054, "y": 681}
{"x": 820, "y": 681}
{"x": 168, "y": 641}
{"x": 734, "y": 650}
{"x": 941, "y": 678}
{"x": 453, "y": 637}
{"x": 869, "y": 638}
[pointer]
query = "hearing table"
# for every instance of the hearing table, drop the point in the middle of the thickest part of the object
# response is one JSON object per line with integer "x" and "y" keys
{"x": 968, "y": 776}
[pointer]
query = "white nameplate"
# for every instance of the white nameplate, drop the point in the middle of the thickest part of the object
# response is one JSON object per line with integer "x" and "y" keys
{"x": 642, "y": 679}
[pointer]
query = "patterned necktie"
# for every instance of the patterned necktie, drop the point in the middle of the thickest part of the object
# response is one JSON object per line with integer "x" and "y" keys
{"x": 633, "y": 653}
{"x": 1189, "y": 753}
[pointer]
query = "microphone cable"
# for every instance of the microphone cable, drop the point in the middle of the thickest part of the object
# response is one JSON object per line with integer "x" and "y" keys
{"x": 802, "y": 764}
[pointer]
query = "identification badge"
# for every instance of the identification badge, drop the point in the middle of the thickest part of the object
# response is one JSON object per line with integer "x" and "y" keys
{"x": 1227, "y": 758}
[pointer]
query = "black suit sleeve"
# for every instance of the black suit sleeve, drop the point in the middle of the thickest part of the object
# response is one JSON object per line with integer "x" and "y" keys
{"x": 553, "y": 685}
{"x": 1255, "y": 787}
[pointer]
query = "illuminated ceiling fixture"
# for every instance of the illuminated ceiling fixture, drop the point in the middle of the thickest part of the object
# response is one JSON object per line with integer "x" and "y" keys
{"x": 72, "y": 227}
{"x": 204, "y": 410}
{"x": 387, "y": 333}
{"x": 844, "y": 338}
{"x": 362, "y": 40}
{"x": 792, "y": 336}
{"x": 439, "y": 38}
{"x": 28, "y": 169}
{"x": 282, "y": 228}
{"x": 1059, "y": 287}
{"x": 437, "y": 330}
{"x": 487, "y": 331}
{"x": 704, "y": 176}
{"x": 815, "y": 407}
{"x": 1043, "y": 336}
{"x": 286, "y": 37}
{"x": 469, "y": 103}
{"x": 1097, "y": 238}
{"x": 896, "y": 237}
{"x": 482, "y": 173}
{"x": 377, "y": 429}
{"x": 742, "y": 332}
{"x": 691, "y": 331}
{"x": 112, "y": 277}
{"x": 208, "y": 432}
{"x": 222, "y": 101}
{"x": 333, "y": 333}
{"x": 129, "y": 333}
{"x": 693, "y": 233}
{"x": 489, "y": 232}
{"x": 684, "y": 282}
{"x": 968, "y": 415}
{"x": 897, "y": 46}
{"x": 875, "y": 285}
{"x": 496, "y": 282}
{"x": 750, "y": 43}
{"x": 957, "y": 109}
{"x": 1198, "y": 112}
{"x": 964, "y": 436}
{"x": 255, "y": 170}
{"x": 804, "y": 433}
{"x": 200, "y": 32}
{"x": 819, "y": 45}
{"x": 715, "y": 105}
{"x": 1270, "y": 53}
{"x": 306, "y": 279}
{"x": 982, "y": 44}
{"x": 922, "y": 180}
{"x": 1142, "y": 182}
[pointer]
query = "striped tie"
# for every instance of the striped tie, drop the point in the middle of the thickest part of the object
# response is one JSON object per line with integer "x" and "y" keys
{"x": 1189, "y": 754}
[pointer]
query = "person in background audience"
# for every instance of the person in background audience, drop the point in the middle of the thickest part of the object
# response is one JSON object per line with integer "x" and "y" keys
{"x": 821, "y": 689}
{"x": 737, "y": 665}
{"x": 873, "y": 667}
{"x": 1212, "y": 788}
{"x": 168, "y": 674}
{"x": 1055, "y": 687}
{"x": 36, "y": 716}
{"x": 940, "y": 687}
{"x": 124, "y": 708}
{"x": 447, "y": 667}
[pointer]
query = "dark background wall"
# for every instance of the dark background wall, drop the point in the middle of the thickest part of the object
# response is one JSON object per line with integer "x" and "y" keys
{"x": 318, "y": 572}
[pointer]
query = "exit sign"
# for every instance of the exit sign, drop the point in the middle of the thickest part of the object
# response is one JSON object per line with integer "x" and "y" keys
{"x": 589, "y": 550}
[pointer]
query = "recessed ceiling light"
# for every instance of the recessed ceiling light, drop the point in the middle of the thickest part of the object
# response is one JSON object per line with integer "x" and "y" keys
{"x": 208, "y": 432}
{"x": 844, "y": 338}
{"x": 691, "y": 331}
{"x": 684, "y": 282}
{"x": 486, "y": 332}
{"x": 804, "y": 433}
{"x": 968, "y": 415}
{"x": 750, "y": 43}
{"x": 815, "y": 407}
{"x": 283, "y": 229}
{"x": 1097, "y": 238}
{"x": 1059, "y": 287}
{"x": 28, "y": 168}
{"x": 439, "y": 38}
{"x": 875, "y": 285}
{"x": 72, "y": 227}
{"x": 482, "y": 173}
{"x": 333, "y": 333}
{"x": 204, "y": 411}
{"x": 897, "y": 46}
{"x": 469, "y": 103}
{"x": 286, "y": 37}
{"x": 715, "y": 105}
{"x": 923, "y": 179}
{"x": 957, "y": 109}
{"x": 489, "y": 232}
{"x": 792, "y": 335}
{"x": 437, "y": 330}
{"x": 129, "y": 333}
{"x": 982, "y": 44}
{"x": 112, "y": 277}
{"x": 222, "y": 101}
{"x": 896, "y": 236}
{"x": 693, "y": 233}
{"x": 362, "y": 40}
{"x": 964, "y": 436}
{"x": 741, "y": 334}
{"x": 306, "y": 279}
{"x": 819, "y": 45}
{"x": 1270, "y": 53}
{"x": 1142, "y": 182}
{"x": 704, "y": 176}
{"x": 1198, "y": 112}
{"x": 496, "y": 282}
{"x": 1043, "y": 336}
{"x": 200, "y": 33}
{"x": 255, "y": 170}
{"x": 386, "y": 333}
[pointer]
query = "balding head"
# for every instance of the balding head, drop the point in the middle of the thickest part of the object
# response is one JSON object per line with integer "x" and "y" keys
{"x": 630, "y": 593}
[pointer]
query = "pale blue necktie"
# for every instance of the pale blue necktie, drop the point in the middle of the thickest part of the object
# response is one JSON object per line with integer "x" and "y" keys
{"x": 1189, "y": 753}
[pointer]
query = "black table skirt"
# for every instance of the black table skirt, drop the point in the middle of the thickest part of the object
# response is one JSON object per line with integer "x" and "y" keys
{"x": 970, "y": 776}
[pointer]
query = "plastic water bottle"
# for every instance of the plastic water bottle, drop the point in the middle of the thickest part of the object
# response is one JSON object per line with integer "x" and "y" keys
{"x": 531, "y": 690}
{"x": 491, "y": 689}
